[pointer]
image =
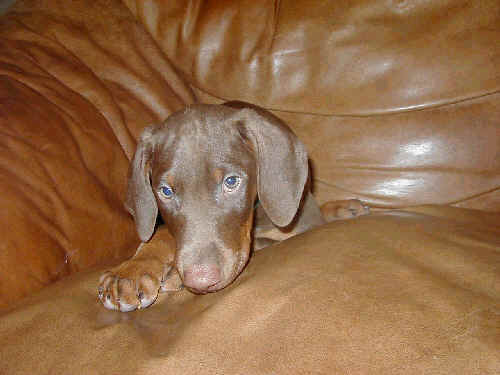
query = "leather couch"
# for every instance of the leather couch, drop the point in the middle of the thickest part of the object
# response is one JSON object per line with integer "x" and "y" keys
{"x": 398, "y": 103}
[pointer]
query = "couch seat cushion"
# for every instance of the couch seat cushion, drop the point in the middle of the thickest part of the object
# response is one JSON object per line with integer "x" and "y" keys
{"x": 412, "y": 292}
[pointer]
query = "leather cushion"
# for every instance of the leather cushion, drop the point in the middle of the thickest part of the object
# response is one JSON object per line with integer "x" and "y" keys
{"x": 329, "y": 57}
{"x": 399, "y": 292}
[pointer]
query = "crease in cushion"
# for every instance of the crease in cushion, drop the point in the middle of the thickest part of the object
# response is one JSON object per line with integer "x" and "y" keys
{"x": 398, "y": 292}
{"x": 119, "y": 68}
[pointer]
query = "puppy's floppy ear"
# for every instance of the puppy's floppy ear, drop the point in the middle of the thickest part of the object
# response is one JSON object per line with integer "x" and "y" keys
{"x": 282, "y": 167}
{"x": 140, "y": 200}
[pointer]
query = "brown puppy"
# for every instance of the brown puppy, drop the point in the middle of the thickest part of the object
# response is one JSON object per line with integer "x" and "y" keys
{"x": 203, "y": 169}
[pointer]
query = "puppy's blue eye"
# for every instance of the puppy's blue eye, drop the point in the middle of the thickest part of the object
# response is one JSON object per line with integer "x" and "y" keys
{"x": 167, "y": 191}
{"x": 231, "y": 182}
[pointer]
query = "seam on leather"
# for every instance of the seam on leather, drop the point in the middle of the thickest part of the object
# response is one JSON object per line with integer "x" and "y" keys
{"x": 421, "y": 107}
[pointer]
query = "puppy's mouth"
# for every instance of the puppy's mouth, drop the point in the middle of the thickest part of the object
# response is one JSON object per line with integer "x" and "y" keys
{"x": 226, "y": 281}
{"x": 210, "y": 289}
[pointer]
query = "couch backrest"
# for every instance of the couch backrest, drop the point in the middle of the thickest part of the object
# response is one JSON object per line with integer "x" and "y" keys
{"x": 397, "y": 101}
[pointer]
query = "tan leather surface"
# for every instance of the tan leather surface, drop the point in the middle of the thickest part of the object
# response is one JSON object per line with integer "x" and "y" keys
{"x": 331, "y": 57}
{"x": 394, "y": 293}
{"x": 79, "y": 80}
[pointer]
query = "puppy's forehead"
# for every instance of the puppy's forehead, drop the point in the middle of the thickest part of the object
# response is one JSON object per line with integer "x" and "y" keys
{"x": 200, "y": 122}
{"x": 200, "y": 133}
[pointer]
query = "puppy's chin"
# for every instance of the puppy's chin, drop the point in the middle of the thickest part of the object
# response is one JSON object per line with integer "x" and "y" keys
{"x": 213, "y": 288}
{"x": 200, "y": 292}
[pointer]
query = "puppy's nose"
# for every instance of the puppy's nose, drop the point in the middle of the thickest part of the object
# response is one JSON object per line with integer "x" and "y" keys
{"x": 200, "y": 277}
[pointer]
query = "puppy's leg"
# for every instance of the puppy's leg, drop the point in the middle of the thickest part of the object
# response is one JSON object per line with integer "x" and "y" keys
{"x": 266, "y": 233}
{"x": 135, "y": 284}
{"x": 341, "y": 210}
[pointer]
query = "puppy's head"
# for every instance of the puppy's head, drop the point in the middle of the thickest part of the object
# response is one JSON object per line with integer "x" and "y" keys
{"x": 203, "y": 169}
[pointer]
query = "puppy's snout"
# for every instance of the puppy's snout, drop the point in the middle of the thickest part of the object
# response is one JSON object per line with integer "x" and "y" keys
{"x": 201, "y": 278}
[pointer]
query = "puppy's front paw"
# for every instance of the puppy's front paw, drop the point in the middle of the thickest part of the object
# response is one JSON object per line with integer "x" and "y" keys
{"x": 132, "y": 285}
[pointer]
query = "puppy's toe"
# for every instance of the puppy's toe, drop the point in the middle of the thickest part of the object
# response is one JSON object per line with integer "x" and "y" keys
{"x": 147, "y": 290}
{"x": 127, "y": 295}
{"x": 108, "y": 291}
{"x": 346, "y": 209}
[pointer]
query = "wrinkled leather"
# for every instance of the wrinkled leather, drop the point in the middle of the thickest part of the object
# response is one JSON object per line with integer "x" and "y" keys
{"x": 78, "y": 82}
{"x": 412, "y": 292}
{"x": 332, "y": 57}
{"x": 397, "y": 101}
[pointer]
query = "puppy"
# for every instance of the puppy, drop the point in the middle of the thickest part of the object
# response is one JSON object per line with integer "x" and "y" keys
{"x": 226, "y": 179}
